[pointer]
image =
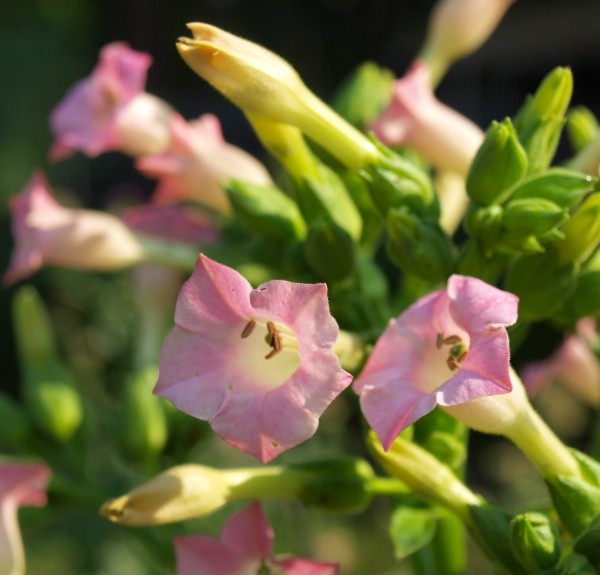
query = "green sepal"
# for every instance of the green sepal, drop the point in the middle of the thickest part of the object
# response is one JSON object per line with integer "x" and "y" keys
{"x": 267, "y": 211}
{"x": 326, "y": 198}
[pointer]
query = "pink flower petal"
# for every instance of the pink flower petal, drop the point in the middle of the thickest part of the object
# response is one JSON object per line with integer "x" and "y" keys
{"x": 248, "y": 533}
{"x": 295, "y": 566}
{"x": 203, "y": 555}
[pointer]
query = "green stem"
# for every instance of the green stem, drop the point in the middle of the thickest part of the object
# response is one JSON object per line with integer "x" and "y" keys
{"x": 388, "y": 486}
{"x": 174, "y": 254}
{"x": 449, "y": 548}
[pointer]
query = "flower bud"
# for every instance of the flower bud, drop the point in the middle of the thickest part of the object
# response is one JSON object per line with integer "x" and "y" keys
{"x": 144, "y": 431}
{"x": 457, "y": 28}
{"x": 539, "y": 121}
{"x": 330, "y": 251}
{"x": 265, "y": 85}
{"x": 48, "y": 390}
{"x": 588, "y": 543}
{"x": 581, "y": 232}
{"x": 419, "y": 246}
{"x": 478, "y": 262}
{"x": 490, "y": 528}
{"x": 267, "y": 211}
{"x": 364, "y": 94}
{"x": 484, "y": 224}
{"x": 582, "y": 127}
{"x": 534, "y": 541}
{"x": 499, "y": 163}
{"x": 566, "y": 188}
{"x": 577, "y": 499}
{"x": 575, "y": 564}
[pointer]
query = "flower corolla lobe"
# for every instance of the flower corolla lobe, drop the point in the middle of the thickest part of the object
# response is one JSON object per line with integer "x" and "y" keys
{"x": 449, "y": 347}
{"x": 257, "y": 364}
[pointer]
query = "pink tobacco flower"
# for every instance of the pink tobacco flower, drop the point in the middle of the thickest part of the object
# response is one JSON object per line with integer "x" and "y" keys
{"x": 109, "y": 109}
{"x": 172, "y": 222}
{"x": 197, "y": 162}
{"x": 447, "y": 348}
{"x": 47, "y": 233}
{"x": 256, "y": 363}
{"x": 245, "y": 548}
{"x": 574, "y": 365}
{"x": 417, "y": 119}
{"x": 21, "y": 484}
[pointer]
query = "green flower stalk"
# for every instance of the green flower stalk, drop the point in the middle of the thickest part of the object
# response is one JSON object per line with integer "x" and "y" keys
{"x": 263, "y": 84}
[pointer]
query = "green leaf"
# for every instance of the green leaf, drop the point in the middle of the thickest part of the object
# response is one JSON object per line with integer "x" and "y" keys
{"x": 411, "y": 528}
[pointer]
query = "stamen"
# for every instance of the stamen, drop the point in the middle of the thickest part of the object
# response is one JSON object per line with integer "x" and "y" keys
{"x": 249, "y": 328}
{"x": 274, "y": 340}
{"x": 439, "y": 340}
{"x": 452, "y": 340}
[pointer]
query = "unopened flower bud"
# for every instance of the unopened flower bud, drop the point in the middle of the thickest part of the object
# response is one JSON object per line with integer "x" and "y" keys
{"x": 144, "y": 432}
{"x": 267, "y": 211}
{"x": 264, "y": 84}
{"x": 499, "y": 163}
{"x": 588, "y": 543}
{"x": 49, "y": 392}
{"x": 364, "y": 94}
{"x": 529, "y": 217}
{"x": 581, "y": 232}
{"x": 582, "y": 127}
{"x": 540, "y": 120}
{"x": 419, "y": 246}
{"x": 330, "y": 251}
{"x": 534, "y": 541}
{"x": 575, "y": 564}
{"x": 484, "y": 224}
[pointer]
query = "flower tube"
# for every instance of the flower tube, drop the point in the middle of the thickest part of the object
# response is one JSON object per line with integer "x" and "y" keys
{"x": 256, "y": 364}
{"x": 21, "y": 484}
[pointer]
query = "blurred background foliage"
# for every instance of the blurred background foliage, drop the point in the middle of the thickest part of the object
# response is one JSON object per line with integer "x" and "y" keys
{"x": 47, "y": 45}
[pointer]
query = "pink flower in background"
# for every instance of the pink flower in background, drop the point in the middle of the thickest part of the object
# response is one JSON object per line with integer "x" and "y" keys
{"x": 109, "y": 109}
{"x": 246, "y": 546}
{"x": 46, "y": 233}
{"x": 21, "y": 484}
{"x": 255, "y": 363}
{"x": 417, "y": 119}
{"x": 574, "y": 365}
{"x": 197, "y": 162}
{"x": 448, "y": 348}
{"x": 172, "y": 222}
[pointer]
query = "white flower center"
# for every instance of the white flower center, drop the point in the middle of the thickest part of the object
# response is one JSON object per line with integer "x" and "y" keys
{"x": 270, "y": 350}
{"x": 441, "y": 359}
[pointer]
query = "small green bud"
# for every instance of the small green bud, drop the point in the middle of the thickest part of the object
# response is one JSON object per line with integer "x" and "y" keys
{"x": 540, "y": 283}
{"x": 49, "y": 393}
{"x": 14, "y": 427}
{"x": 582, "y": 127}
{"x": 530, "y": 217}
{"x": 490, "y": 528}
{"x": 396, "y": 182}
{"x": 540, "y": 120}
{"x": 326, "y": 198}
{"x": 499, "y": 163}
{"x": 144, "y": 431}
{"x": 364, "y": 94}
{"x": 419, "y": 246}
{"x": 582, "y": 232}
{"x": 484, "y": 224}
{"x": 330, "y": 251}
{"x": 564, "y": 187}
{"x": 534, "y": 541}
{"x": 341, "y": 485}
{"x": 267, "y": 211}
